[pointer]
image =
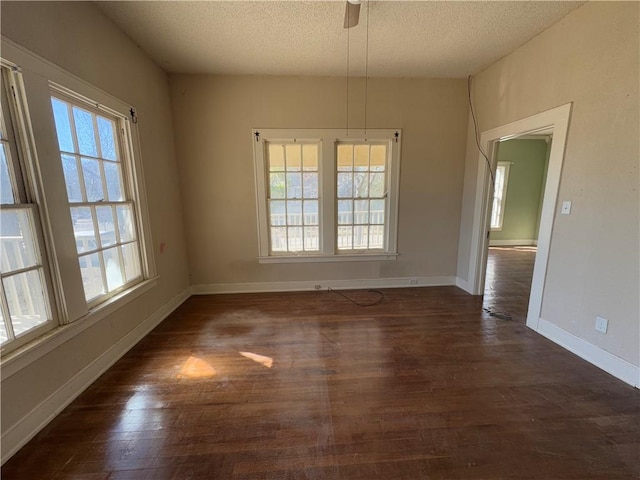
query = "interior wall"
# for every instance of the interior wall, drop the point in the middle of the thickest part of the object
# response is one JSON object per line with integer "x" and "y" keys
{"x": 590, "y": 58}
{"x": 78, "y": 38}
{"x": 528, "y": 162}
{"x": 213, "y": 118}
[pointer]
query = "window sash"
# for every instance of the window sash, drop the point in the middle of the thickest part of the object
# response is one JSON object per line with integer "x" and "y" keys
{"x": 112, "y": 275}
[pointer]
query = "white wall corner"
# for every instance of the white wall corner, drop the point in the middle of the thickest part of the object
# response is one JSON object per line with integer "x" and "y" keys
{"x": 610, "y": 363}
{"x": 463, "y": 284}
{"x": 28, "y": 426}
{"x": 310, "y": 285}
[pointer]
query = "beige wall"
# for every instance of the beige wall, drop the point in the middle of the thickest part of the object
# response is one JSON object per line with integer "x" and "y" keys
{"x": 213, "y": 118}
{"x": 81, "y": 40}
{"x": 589, "y": 58}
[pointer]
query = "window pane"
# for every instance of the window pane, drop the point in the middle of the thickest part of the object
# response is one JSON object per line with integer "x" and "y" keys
{"x": 83, "y": 229}
{"x": 361, "y": 158}
{"x": 345, "y": 237}
{"x": 279, "y": 239}
{"x": 91, "y": 270}
{"x": 106, "y": 130}
{"x": 92, "y": 180}
{"x": 345, "y": 157}
{"x": 361, "y": 184}
{"x": 295, "y": 239}
{"x": 345, "y": 212}
{"x": 25, "y": 298}
{"x": 17, "y": 243}
{"x": 310, "y": 212}
{"x": 113, "y": 176}
{"x": 277, "y": 185}
{"x": 310, "y": 157}
{"x": 311, "y": 239}
{"x": 126, "y": 225}
{"x": 376, "y": 182}
{"x": 106, "y": 226}
{"x": 278, "y": 212}
{"x": 361, "y": 215}
{"x": 85, "y": 132}
{"x": 378, "y": 158}
{"x": 115, "y": 277}
{"x": 310, "y": 185}
{"x": 345, "y": 185}
{"x": 376, "y": 213}
{"x": 131, "y": 258}
{"x": 360, "y": 236}
{"x": 294, "y": 212}
{"x": 6, "y": 190}
{"x": 3, "y": 329}
{"x": 63, "y": 125}
{"x": 376, "y": 236}
{"x": 71, "y": 178}
{"x": 294, "y": 158}
{"x": 276, "y": 158}
{"x": 294, "y": 185}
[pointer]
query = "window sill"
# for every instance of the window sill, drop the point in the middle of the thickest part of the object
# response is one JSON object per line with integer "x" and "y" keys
{"x": 358, "y": 257}
{"x": 18, "y": 359}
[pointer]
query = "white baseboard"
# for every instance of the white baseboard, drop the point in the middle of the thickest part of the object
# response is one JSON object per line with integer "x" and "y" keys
{"x": 29, "y": 425}
{"x": 610, "y": 363}
{"x": 513, "y": 243}
{"x": 261, "y": 287}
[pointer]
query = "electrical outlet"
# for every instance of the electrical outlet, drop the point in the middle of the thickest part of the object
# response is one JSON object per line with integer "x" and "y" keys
{"x": 602, "y": 324}
{"x": 413, "y": 281}
{"x": 317, "y": 286}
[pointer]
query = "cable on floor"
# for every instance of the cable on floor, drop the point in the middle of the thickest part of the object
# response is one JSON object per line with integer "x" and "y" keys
{"x": 377, "y": 292}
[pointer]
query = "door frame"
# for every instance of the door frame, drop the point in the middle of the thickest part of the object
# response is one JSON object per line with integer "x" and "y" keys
{"x": 557, "y": 119}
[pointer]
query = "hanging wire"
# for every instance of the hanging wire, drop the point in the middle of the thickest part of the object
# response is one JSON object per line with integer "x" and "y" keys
{"x": 375, "y": 302}
{"x": 366, "y": 74}
{"x": 475, "y": 126}
{"x": 348, "y": 45}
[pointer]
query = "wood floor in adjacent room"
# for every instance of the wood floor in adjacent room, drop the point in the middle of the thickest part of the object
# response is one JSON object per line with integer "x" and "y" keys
{"x": 424, "y": 385}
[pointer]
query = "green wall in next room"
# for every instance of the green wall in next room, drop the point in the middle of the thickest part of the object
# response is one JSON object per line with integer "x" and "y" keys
{"x": 527, "y": 174}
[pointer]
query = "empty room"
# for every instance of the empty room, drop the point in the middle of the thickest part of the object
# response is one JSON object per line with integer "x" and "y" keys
{"x": 320, "y": 240}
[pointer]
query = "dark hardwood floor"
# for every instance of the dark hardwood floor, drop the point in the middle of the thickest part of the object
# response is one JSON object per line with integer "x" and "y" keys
{"x": 508, "y": 282}
{"x": 424, "y": 385}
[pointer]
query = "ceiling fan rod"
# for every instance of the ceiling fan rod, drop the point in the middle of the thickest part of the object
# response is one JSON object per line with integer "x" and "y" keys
{"x": 352, "y": 13}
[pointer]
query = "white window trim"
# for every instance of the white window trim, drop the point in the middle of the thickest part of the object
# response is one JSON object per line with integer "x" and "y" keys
{"x": 327, "y": 140}
{"x": 72, "y": 320}
{"x": 503, "y": 199}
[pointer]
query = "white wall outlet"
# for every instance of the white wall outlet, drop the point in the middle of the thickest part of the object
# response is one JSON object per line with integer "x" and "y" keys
{"x": 413, "y": 281}
{"x": 566, "y": 208}
{"x": 317, "y": 286}
{"x": 602, "y": 324}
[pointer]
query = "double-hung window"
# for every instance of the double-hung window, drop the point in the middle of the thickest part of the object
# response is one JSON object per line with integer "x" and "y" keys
{"x": 24, "y": 295}
{"x": 101, "y": 206}
{"x": 74, "y": 227}
{"x": 323, "y": 195}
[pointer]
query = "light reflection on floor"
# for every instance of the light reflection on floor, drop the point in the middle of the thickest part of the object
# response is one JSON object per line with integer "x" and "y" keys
{"x": 261, "y": 359}
{"x": 195, "y": 367}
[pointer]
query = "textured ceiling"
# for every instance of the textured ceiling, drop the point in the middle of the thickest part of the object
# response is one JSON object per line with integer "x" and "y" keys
{"x": 406, "y": 39}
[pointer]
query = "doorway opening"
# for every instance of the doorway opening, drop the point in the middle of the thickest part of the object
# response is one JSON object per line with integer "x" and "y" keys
{"x": 556, "y": 123}
{"x": 520, "y": 172}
